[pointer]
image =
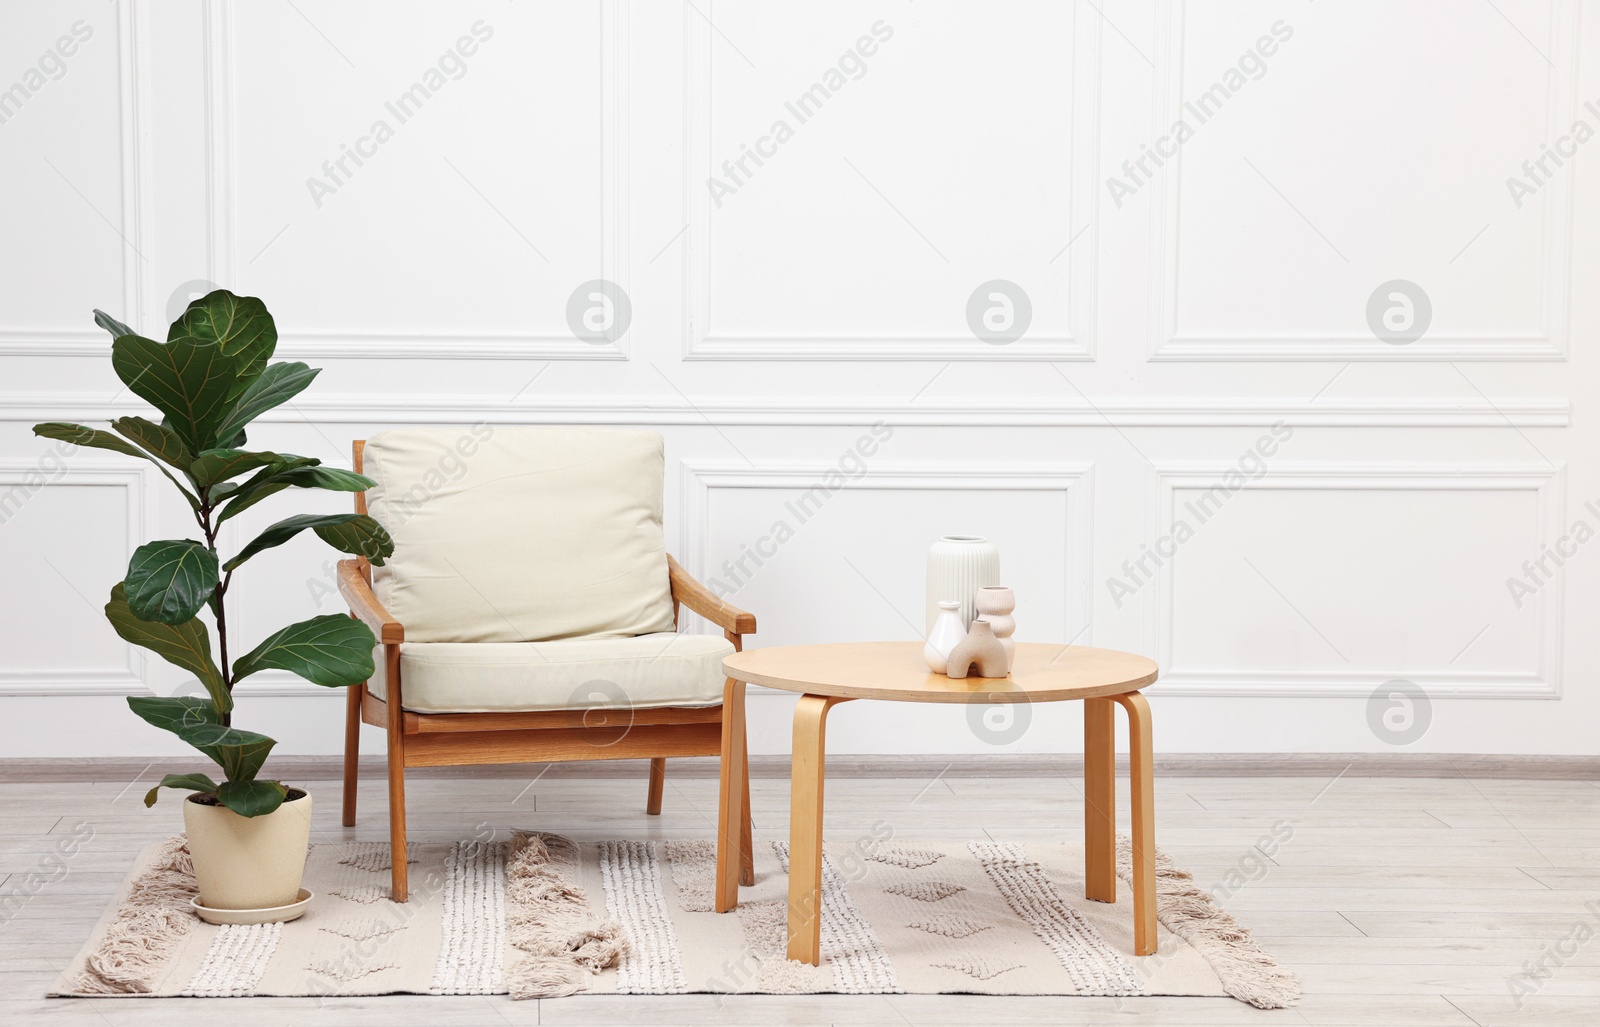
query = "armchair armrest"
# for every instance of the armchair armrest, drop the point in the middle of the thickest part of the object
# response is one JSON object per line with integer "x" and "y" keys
{"x": 700, "y": 599}
{"x": 357, "y": 591}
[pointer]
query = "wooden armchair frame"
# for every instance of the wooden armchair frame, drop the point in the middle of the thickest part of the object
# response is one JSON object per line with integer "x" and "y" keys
{"x": 457, "y": 739}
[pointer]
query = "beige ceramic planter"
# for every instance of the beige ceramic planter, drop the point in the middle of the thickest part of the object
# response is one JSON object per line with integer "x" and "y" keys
{"x": 248, "y": 862}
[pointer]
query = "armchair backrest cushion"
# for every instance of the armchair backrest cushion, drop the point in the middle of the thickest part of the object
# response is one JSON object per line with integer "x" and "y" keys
{"x": 521, "y": 534}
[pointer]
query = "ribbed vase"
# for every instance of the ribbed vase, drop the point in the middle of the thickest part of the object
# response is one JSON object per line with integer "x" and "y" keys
{"x": 995, "y": 604}
{"x": 959, "y": 565}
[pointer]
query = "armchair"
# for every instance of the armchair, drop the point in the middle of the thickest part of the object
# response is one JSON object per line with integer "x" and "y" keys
{"x": 529, "y": 614}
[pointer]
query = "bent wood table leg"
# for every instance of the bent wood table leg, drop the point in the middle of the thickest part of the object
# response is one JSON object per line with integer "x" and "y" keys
{"x": 747, "y": 851}
{"x": 352, "y": 749}
{"x": 805, "y": 827}
{"x": 658, "y": 779}
{"x": 1100, "y": 800}
{"x": 731, "y": 814}
{"x": 1141, "y": 776}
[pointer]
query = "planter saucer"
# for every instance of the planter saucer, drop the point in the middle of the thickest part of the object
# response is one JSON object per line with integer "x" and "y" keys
{"x": 271, "y": 915}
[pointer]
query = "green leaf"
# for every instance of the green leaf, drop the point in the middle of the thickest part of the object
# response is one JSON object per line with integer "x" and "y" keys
{"x": 285, "y": 462}
{"x": 334, "y": 479}
{"x": 158, "y": 440}
{"x": 239, "y": 326}
{"x": 218, "y": 465}
{"x": 348, "y": 533}
{"x": 360, "y": 536}
{"x": 191, "y": 381}
{"x": 245, "y": 498}
{"x": 232, "y": 489}
{"x": 278, "y": 383}
{"x": 297, "y": 471}
{"x": 252, "y": 798}
{"x": 185, "y": 645}
{"x": 174, "y": 712}
{"x": 111, "y": 324}
{"x": 94, "y": 438}
{"x": 332, "y": 650}
{"x": 188, "y": 782}
{"x": 240, "y": 754}
{"x": 79, "y": 435}
{"x": 170, "y": 581}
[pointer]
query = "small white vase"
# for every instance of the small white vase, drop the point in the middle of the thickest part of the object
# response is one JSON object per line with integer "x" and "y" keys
{"x": 995, "y": 604}
{"x": 946, "y": 634}
{"x": 959, "y": 565}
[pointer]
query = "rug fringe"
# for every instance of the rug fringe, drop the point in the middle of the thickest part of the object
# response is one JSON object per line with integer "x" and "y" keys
{"x": 1246, "y": 972}
{"x": 145, "y": 933}
{"x": 548, "y": 920}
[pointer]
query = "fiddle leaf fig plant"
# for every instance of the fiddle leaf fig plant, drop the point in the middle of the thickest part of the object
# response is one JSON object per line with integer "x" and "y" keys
{"x": 209, "y": 380}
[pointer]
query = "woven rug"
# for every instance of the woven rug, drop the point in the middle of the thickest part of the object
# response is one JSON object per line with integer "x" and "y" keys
{"x": 541, "y": 915}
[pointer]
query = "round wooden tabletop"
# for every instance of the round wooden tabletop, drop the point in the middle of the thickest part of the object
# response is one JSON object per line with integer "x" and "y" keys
{"x": 1043, "y": 672}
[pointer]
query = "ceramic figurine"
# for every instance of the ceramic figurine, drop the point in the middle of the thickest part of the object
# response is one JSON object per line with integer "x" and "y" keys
{"x": 996, "y": 602}
{"x": 980, "y": 650}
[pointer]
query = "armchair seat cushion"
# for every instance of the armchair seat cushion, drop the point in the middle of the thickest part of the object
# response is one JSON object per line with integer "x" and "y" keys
{"x": 657, "y": 669}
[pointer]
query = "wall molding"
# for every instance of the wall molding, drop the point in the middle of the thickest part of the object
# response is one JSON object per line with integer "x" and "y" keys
{"x": 676, "y": 409}
{"x": 445, "y": 346}
{"x": 703, "y": 342}
{"x": 843, "y": 765}
{"x": 217, "y": 23}
{"x": 1550, "y": 344}
{"x": 134, "y": 96}
{"x": 615, "y": 224}
{"x": 1074, "y": 480}
{"x": 133, "y": 677}
{"x": 133, "y": 102}
{"x": 1548, "y": 483}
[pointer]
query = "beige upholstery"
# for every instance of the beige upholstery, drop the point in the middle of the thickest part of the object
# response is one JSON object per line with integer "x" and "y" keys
{"x": 528, "y": 609}
{"x": 662, "y": 669}
{"x": 520, "y": 534}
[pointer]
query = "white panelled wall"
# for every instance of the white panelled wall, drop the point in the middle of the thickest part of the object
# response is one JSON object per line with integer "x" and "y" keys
{"x": 1200, "y": 449}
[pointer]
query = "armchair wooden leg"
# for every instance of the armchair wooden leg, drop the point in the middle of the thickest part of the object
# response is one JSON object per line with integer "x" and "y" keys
{"x": 731, "y": 813}
{"x": 399, "y": 886}
{"x": 352, "y": 748}
{"x": 1142, "y": 780}
{"x": 658, "y": 779}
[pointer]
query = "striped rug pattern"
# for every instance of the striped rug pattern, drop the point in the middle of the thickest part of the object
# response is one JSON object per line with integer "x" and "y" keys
{"x": 533, "y": 914}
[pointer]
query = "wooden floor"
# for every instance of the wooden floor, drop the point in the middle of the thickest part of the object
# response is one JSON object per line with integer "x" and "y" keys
{"x": 1397, "y": 900}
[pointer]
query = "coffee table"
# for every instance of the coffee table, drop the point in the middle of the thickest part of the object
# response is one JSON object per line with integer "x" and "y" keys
{"x": 827, "y": 675}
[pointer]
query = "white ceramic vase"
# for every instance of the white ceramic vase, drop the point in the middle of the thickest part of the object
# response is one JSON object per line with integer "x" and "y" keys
{"x": 959, "y": 565}
{"x": 995, "y": 604}
{"x": 946, "y": 634}
{"x": 248, "y": 862}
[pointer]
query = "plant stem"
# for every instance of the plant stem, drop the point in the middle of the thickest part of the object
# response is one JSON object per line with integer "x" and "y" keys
{"x": 218, "y": 594}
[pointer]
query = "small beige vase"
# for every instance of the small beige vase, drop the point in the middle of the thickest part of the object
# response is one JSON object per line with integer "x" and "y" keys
{"x": 980, "y": 651}
{"x": 995, "y": 604}
{"x": 248, "y": 862}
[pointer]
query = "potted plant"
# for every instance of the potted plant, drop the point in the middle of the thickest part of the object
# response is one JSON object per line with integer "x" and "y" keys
{"x": 209, "y": 380}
